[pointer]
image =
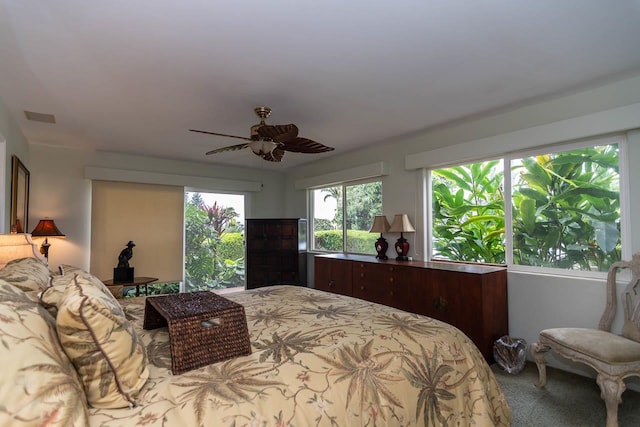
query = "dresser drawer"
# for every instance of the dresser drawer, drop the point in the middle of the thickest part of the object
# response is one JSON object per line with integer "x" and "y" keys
{"x": 384, "y": 284}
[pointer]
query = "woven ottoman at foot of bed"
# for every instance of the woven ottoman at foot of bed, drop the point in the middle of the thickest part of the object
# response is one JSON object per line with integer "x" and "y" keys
{"x": 203, "y": 328}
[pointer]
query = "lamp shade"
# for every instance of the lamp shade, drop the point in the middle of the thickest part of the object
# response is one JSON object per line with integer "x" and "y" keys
{"x": 380, "y": 224}
{"x": 401, "y": 224}
{"x": 46, "y": 228}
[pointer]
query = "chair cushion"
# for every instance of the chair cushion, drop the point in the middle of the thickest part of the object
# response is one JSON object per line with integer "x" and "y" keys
{"x": 602, "y": 345}
{"x": 103, "y": 346}
{"x": 39, "y": 384}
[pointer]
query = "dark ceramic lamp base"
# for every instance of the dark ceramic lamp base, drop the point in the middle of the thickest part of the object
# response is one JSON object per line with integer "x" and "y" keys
{"x": 381, "y": 248}
{"x": 402, "y": 248}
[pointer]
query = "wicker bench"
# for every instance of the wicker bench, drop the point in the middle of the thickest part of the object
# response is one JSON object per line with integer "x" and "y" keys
{"x": 203, "y": 328}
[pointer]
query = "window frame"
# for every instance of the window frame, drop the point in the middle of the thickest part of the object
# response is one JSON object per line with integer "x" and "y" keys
{"x": 311, "y": 209}
{"x": 507, "y": 157}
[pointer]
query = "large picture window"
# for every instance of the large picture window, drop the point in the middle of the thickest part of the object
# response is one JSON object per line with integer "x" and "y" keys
{"x": 468, "y": 212}
{"x": 564, "y": 209}
{"x": 342, "y": 216}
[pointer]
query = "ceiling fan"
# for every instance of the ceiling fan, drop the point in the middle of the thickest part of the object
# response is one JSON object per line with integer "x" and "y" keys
{"x": 270, "y": 142}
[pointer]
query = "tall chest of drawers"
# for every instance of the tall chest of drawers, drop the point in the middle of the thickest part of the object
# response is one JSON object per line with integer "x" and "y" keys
{"x": 472, "y": 298}
{"x": 276, "y": 252}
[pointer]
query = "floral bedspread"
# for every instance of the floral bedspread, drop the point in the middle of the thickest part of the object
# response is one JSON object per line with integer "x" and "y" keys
{"x": 320, "y": 359}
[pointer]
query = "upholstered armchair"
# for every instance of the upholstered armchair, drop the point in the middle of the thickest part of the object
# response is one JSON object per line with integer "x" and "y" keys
{"x": 614, "y": 357}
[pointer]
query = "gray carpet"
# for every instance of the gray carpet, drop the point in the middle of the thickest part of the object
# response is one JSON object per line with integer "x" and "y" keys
{"x": 566, "y": 400}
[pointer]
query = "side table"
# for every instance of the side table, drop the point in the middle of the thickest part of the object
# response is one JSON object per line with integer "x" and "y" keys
{"x": 137, "y": 282}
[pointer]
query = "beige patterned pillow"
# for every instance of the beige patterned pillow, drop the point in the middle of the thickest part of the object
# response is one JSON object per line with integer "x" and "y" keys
{"x": 103, "y": 346}
{"x": 33, "y": 295}
{"x": 51, "y": 296}
{"x": 69, "y": 269}
{"x": 27, "y": 274}
{"x": 39, "y": 384}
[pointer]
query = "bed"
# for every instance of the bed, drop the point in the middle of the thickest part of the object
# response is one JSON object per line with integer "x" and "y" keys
{"x": 318, "y": 359}
{"x": 321, "y": 359}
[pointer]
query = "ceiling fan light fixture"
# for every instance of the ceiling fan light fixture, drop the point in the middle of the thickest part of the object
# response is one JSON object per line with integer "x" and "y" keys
{"x": 270, "y": 142}
{"x": 261, "y": 147}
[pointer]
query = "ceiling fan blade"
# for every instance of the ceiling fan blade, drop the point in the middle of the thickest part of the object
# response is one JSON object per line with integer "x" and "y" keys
{"x": 278, "y": 133}
{"x": 304, "y": 145}
{"x": 274, "y": 156}
{"x": 221, "y": 134}
{"x": 229, "y": 148}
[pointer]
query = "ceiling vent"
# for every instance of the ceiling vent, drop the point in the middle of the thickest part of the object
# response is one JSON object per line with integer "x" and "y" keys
{"x": 40, "y": 117}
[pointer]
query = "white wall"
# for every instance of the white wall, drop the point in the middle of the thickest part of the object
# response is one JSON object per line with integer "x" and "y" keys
{"x": 60, "y": 190}
{"x": 3, "y": 181}
{"x": 14, "y": 144}
{"x": 536, "y": 302}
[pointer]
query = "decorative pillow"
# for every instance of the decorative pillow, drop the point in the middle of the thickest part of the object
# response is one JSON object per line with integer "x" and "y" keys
{"x": 51, "y": 296}
{"x": 69, "y": 269}
{"x": 27, "y": 274}
{"x": 39, "y": 384}
{"x": 103, "y": 346}
{"x": 33, "y": 295}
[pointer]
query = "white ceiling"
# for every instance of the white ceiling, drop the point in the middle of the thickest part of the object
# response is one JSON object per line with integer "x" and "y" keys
{"x": 133, "y": 76}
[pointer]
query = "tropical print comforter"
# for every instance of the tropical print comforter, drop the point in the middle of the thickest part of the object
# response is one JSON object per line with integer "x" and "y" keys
{"x": 320, "y": 359}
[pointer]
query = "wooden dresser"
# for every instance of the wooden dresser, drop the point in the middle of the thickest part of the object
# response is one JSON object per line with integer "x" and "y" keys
{"x": 276, "y": 252}
{"x": 473, "y": 298}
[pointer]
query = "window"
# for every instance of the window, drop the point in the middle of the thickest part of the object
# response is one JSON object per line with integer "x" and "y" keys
{"x": 564, "y": 209}
{"x": 214, "y": 241}
{"x": 468, "y": 212}
{"x": 342, "y": 216}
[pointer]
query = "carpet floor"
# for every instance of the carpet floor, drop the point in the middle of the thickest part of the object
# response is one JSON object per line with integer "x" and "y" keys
{"x": 566, "y": 400}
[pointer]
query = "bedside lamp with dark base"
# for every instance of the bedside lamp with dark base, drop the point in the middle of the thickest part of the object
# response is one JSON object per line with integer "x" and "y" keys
{"x": 46, "y": 228}
{"x": 401, "y": 224}
{"x": 380, "y": 225}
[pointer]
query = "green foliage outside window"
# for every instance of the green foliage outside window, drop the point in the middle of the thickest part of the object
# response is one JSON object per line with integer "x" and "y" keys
{"x": 214, "y": 257}
{"x": 231, "y": 246}
{"x": 565, "y": 210}
{"x": 468, "y": 212}
{"x": 363, "y": 203}
{"x": 358, "y": 241}
{"x": 156, "y": 288}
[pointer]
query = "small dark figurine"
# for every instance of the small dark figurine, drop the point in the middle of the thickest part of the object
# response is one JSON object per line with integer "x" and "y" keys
{"x": 125, "y": 255}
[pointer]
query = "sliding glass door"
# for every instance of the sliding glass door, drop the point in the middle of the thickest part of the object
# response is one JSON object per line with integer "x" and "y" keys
{"x": 214, "y": 241}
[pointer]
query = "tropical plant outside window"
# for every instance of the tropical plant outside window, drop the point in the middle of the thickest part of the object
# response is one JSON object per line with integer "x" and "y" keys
{"x": 342, "y": 216}
{"x": 565, "y": 210}
{"x": 214, "y": 249}
{"x": 468, "y": 212}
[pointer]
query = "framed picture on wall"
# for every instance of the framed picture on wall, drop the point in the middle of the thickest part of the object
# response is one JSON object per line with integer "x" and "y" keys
{"x": 19, "y": 196}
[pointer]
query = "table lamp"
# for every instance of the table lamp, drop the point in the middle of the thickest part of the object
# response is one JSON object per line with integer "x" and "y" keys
{"x": 46, "y": 228}
{"x": 401, "y": 224}
{"x": 380, "y": 225}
